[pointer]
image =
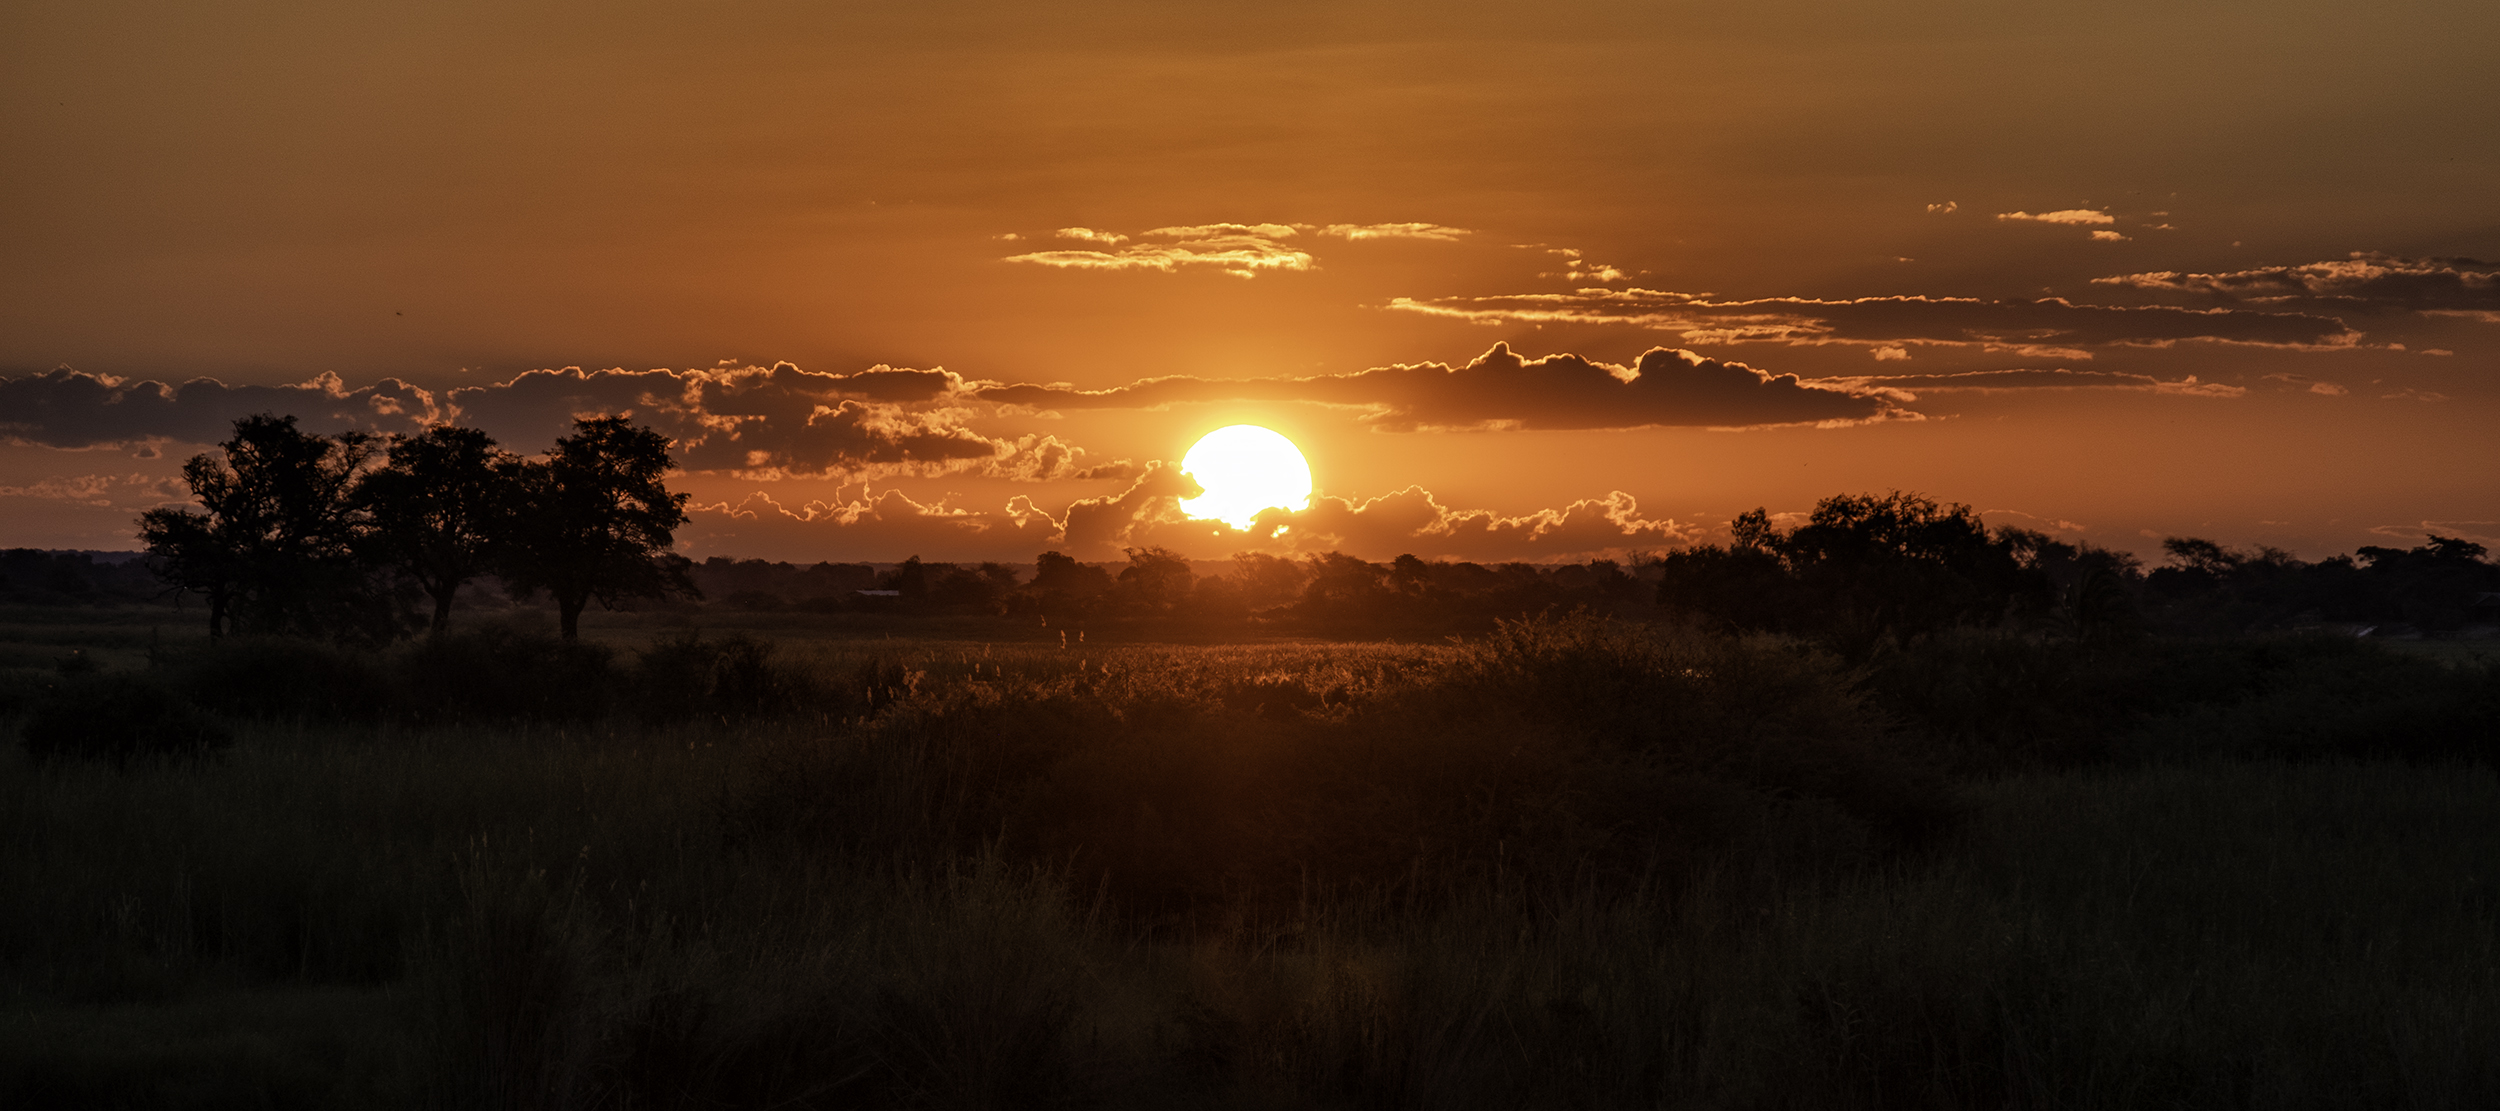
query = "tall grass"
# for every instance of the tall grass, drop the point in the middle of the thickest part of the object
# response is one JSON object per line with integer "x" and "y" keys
{"x": 1575, "y": 867}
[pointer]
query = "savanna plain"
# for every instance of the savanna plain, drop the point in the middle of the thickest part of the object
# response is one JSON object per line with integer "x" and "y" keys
{"x": 789, "y": 860}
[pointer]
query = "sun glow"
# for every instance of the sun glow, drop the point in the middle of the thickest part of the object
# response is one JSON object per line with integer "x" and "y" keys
{"x": 1245, "y": 469}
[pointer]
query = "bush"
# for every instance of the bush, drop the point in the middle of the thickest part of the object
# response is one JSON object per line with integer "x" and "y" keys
{"x": 1555, "y": 751}
{"x": 118, "y": 717}
{"x": 733, "y": 676}
{"x": 502, "y": 671}
{"x": 277, "y": 677}
{"x": 2002, "y": 701}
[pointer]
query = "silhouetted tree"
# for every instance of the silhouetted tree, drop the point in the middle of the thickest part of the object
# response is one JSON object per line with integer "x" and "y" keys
{"x": 1862, "y": 568}
{"x": 1266, "y": 581}
{"x": 592, "y": 520}
{"x": 1156, "y": 580}
{"x": 2090, "y": 589}
{"x": 980, "y": 589}
{"x": 1343, "y": 589}
{"x": 2434, "y": 586}
{"x": 436, "y": 509}
{"x": 275, "y": 550}
{"x": 910, "y": 578}
{"x": 1065, "y": 588}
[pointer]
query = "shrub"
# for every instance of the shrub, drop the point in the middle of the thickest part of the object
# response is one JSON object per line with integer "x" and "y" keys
{"x": 277, "y": 677}
{"x": 2001, "y": 701}
{"x": 1554, "y": 751}
{"x": 503, "y": 671}
{"x": 732, "y": 676}
{"x": 118, "y": 717}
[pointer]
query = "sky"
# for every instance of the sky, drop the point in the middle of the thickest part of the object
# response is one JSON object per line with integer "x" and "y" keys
{"x": 1540, "y": 282}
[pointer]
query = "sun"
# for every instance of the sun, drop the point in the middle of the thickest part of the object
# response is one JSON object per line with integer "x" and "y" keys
{"x": 1245, "y": 468}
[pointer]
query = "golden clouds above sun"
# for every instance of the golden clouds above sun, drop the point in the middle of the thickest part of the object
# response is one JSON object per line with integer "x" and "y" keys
{"x": 1244, "y": 469}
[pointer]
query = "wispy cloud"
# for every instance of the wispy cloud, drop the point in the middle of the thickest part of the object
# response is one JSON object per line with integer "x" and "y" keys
{"x": 881, "y": 524}
{"x": 2363, "y": 282}
{"x": 1911, "y": 387}
{"x": 1577, "y": 268}
{"x": 2076, "y": 216}
{"x": 2046, "y": 328}
{"x": 129, "y": 491}
{"x": 1242, "y": 250}
{"x": 1440, "y": 233}
{"x": 756, "y": 422}
{"x": 67, "y": 408}
{"x": 1089, "y": 235}
{"x": 1501, "y": 389}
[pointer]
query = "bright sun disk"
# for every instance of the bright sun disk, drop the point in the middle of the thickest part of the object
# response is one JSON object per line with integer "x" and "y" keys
{"x": 1245, "y": 469}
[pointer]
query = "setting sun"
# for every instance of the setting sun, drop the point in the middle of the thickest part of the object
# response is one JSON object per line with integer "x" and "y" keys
{"x": 1245, "y": 469}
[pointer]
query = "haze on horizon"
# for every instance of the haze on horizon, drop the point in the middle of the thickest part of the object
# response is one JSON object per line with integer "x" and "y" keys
{"x": 965, "y": 279}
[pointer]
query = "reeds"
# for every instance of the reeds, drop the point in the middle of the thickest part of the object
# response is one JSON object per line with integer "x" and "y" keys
{"x": 1577, "y": 866}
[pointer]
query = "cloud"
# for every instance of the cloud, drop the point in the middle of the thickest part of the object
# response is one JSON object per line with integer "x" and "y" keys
{"x": 2074, "y": 216}
{"x": 1412, "y": 520}
{"x": 889, "y": 525}
{"x": 762, "y": 422}
{"x": 1241, "y": 250}
{"x": 1578, "y": 269}
{"x": 1886, "y": 354}
{"x": 1947, "y": 208}
{"x": 2481, "y": 532}
{"x": 1035, "y": 458}
{"x": 2108, "y": 237}
{"x": 1121, "y": 469}
{"x": 2366, "y": 281}
{"x": 2311, "y": 385}
{"x": 1408, "y": 521}
{"x": 1089, "y": 235}
{"x": 1500, "y": 389}
{"x": 756, "y": 422}
{"x": 872, "y": 526}
{"x": 1435, "y": 232}
{"x": 1910, "y": 386}
{"x": 131, "y": 491}
{"x": 67, "y": 408}
{"x": 2051, "y": 327}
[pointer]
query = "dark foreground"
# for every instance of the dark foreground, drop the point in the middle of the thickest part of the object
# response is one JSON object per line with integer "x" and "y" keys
{"x": 1572, "y": 865}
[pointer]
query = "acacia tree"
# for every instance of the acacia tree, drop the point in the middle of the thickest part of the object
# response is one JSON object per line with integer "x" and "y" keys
{"x": 275, "y": 550}
{"x": 592, "y": 520}
{"x": 1156, "y": 580}
{"x": 436, "y": 509}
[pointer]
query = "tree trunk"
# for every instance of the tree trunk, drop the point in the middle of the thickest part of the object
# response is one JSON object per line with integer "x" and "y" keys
{"x": 442, "y": 607}
{"x": 216, "y": 615}
{"x": 569, "y": 616}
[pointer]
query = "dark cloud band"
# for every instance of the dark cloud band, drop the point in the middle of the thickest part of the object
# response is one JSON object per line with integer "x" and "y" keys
{"x": 2050, "y": 326}
{"x": 1502, "y": 389}
{"x": 2366, "y": 282}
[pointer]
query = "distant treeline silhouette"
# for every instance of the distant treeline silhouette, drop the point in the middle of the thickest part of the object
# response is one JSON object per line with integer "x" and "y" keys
{"x": 1331, "y": 590}
{"x": 1864, "y": 568}
{"x": 329, "y": 536}
{"x": 347, "y": 537}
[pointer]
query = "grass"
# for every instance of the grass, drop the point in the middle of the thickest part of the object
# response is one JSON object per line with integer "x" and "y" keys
{"x": 1244, "y": 876}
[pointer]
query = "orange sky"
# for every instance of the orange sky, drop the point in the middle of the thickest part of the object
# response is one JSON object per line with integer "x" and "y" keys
{"x": 2119, "y": 272}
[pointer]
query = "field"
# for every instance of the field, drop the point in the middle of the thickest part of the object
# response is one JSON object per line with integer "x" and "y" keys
{"x": 1572, "y": 864}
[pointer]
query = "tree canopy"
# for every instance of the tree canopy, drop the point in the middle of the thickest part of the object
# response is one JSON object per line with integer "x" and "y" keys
{"x": 593, "y": 519}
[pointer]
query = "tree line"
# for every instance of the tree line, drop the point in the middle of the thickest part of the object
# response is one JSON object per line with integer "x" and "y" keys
{"x": 310, "y": 535}
{"x": 1866, "y": 568}
{"x": 337, "y": 537}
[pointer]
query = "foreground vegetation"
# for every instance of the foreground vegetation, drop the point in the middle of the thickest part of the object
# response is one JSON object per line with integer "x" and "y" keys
{"x": 1573, "y": 864}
